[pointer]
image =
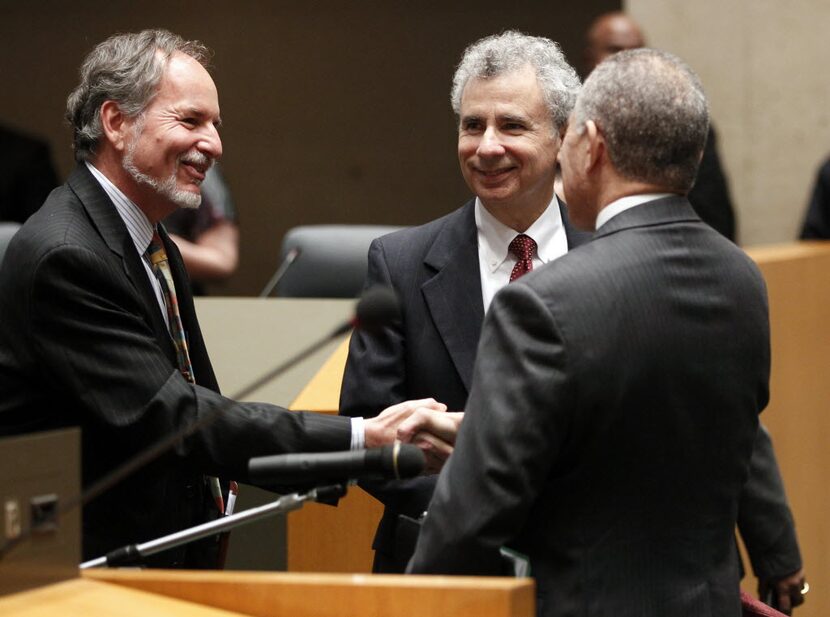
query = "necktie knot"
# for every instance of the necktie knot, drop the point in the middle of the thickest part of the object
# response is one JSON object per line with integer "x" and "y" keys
{"x": 155, "y": 251}
{"x": 522, "y": 247}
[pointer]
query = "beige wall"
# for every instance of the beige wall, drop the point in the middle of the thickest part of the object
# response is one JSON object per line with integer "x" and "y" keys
{"x": 334, "y": 111}
{"x": 764, "y": 66}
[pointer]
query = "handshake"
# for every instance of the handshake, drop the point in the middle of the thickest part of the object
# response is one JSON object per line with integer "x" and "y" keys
{"x": 425, "y": 423}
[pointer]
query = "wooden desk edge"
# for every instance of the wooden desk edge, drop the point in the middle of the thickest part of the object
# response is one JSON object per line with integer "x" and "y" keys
{"x": 267, "y": 594}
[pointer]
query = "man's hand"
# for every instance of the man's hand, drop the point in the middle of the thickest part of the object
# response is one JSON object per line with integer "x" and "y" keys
{"x": 787, "y": 592}
{"x": 434, "y": 433}
{"x": 382, "y": 429}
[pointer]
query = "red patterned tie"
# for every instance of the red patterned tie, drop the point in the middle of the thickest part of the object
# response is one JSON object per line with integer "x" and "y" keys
{"x": 522, "y": 247}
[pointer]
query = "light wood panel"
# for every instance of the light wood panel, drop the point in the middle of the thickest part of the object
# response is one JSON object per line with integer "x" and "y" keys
{"x": 90, "y": 598}
{"x": 322, "y": 393}
{"x": 322, "y": 538}
{"x": 798, "y": 416}
{"x": 337, "y": 595}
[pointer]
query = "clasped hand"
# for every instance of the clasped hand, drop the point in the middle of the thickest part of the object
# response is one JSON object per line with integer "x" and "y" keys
{"x": 425, "y": 423}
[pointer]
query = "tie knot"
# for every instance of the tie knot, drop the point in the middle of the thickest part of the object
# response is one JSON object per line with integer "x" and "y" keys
{"x": 155, "y": 251}
{"x": 522, "y": 247}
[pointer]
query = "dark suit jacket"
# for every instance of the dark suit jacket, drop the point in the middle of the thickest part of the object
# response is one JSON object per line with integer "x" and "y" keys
{"x": 816, "y": 224}
{"x": 434, "y": 270}
{"x": 611, "y": 421}
{"x": 710, "y": 194}
{"x": 83, "y": 342}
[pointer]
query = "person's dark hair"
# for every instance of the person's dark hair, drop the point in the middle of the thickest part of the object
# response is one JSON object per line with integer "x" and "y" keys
{"x": 511, "y": 51}
{"x": 651, "y": 109}
{"x": 127, "y": 69}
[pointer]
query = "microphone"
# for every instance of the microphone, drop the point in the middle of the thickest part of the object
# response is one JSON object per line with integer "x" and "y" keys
{"x": 389, "y": 463}
{"x": 378, "y": 308}
{"x": 285, "y": 264}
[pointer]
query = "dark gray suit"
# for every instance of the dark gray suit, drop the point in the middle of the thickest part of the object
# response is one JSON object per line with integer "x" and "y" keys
{"x": 610, "y": 423}
{"x": 83, "y": 342}
{"x": 434, "y": 270}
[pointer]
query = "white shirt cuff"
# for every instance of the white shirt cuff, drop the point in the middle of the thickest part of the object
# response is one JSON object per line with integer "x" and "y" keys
{"x": 358, "y": 434}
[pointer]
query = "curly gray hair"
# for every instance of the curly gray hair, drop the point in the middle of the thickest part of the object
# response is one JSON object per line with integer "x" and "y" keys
{"x": 127, "y": 69}
{"x": 651, "y": 109}
{"x": 512, "y": 50}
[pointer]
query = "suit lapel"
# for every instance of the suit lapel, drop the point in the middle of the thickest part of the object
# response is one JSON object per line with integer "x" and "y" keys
{"x": 106, "y": 220}
{"x": 453, "y": 294}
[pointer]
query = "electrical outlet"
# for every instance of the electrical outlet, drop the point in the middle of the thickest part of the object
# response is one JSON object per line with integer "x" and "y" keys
{"x": 44, "y": 513}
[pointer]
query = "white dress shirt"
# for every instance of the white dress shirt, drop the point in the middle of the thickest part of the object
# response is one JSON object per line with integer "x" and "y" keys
{"x": 496, "y": 262}
{"x": 624, "y": 203}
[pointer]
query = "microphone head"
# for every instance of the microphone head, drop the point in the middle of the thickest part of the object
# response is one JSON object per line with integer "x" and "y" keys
{"x": 410, "y": 461}
{"x": 379, "y": 307}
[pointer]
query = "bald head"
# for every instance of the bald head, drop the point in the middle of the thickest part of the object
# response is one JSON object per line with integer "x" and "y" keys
{"x": 608, "y": 34}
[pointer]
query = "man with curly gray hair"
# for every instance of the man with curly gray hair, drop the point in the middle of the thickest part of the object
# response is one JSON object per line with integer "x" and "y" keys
{"x": 616, "y": 394}
{"x": 512, "y": 94}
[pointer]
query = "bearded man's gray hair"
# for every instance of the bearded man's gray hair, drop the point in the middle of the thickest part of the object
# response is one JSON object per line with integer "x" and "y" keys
{"x": 127, "y": 69}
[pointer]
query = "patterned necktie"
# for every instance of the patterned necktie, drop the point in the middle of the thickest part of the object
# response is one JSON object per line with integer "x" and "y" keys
{"x": 522, "y": 247}
{"x": 161, "y": 268}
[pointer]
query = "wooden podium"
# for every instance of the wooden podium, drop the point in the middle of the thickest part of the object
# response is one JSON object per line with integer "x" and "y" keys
{"x": 163, "y": 593}
{"x": 337, "y": 595}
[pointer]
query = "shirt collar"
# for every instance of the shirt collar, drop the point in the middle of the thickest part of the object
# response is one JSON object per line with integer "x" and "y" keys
{"x": 495, "y": 236}
{"x": 139, "y": 227}
{"x": 624, "y": 203}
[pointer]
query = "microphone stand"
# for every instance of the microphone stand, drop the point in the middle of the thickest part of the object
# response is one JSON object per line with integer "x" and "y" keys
{"x": 133, "y": 553}
{"x": 280, "y": 272}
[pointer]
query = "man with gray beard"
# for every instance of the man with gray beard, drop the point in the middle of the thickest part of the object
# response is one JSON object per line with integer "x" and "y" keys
{"x": 98, "y": 324}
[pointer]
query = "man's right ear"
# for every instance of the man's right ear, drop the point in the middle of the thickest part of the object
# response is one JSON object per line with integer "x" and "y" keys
{"x": 115, "y": 125}
{"x": 595, "y": 142}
